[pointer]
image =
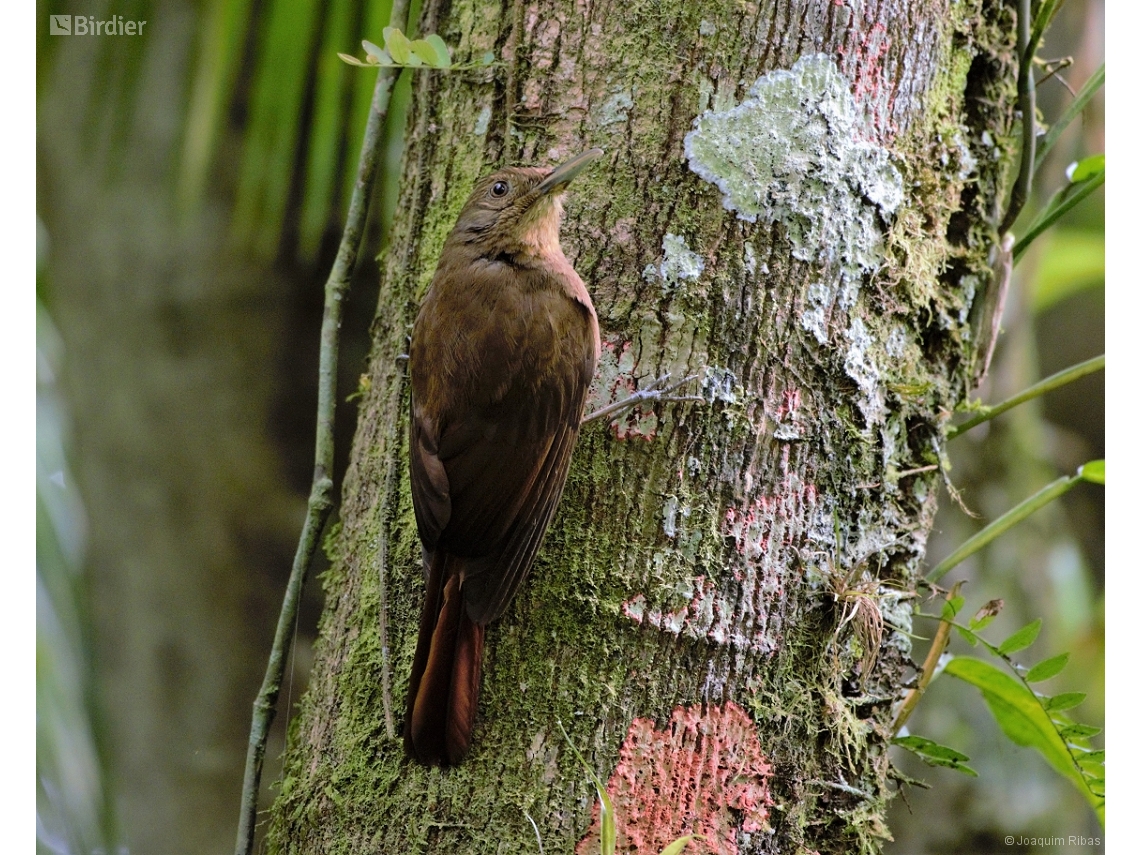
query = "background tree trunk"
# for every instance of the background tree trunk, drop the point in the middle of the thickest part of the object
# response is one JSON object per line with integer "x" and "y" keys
{"x": 175, "y": 343}
{"x": 811, "y": 248}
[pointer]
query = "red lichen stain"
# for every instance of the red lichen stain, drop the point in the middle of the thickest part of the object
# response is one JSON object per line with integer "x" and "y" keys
{"x": 704, "y": 774}
{"x": 870, "y": 49}
{"x": 789, "y": 405}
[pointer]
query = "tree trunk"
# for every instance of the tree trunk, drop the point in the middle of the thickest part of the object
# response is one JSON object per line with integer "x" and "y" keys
{"x": 795, "y": 207}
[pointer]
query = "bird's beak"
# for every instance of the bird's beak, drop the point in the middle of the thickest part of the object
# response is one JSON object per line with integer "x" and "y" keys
{"x": 562, "y": 175}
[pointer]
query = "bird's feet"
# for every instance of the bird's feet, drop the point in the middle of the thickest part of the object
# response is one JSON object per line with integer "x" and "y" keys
{"x": 656, "y": 390}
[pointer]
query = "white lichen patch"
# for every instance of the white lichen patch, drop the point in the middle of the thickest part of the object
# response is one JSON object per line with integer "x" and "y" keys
{"x": 615, "y": 110}
{"x": 967, "y": 163}
{"x": 678, "y": 264}
{"x": 814, "y": 317}
{"x": 719, "y": 385}
{"x": 860, "y": 367}
{"x": 483, "y": 121}
{"x": 707, "y": 28}
{"x": 795, "y": 151}
{"x": 798, "y": 152}
{"x": 749, "y": 259}
{"x": 896, "y": 342}
{"x": 669, "y": 512}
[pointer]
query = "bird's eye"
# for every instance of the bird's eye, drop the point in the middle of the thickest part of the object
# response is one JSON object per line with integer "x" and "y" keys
{"x": 499, "y": 189}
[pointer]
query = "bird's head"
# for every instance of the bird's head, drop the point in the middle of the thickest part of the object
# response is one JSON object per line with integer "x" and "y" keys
{"x": 516, "y": 211}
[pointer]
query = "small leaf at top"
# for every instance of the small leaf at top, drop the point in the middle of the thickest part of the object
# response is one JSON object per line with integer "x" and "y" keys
{"x": 1022, "y": 638}
{"x": 1085, "y": 169}
{"x": 1050, "y": 667}
{"x": 1093, "y": 472}
{"x": 398, "y": 45}
{"x": 442, "y": 51}
{"x": 425, "y": 52}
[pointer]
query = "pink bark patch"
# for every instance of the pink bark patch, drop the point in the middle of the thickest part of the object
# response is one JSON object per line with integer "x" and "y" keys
{"x": 703, "y": 774}
{"x": 870, "y": 49}
{"x": 614, "y": 381}
{"x": 743, "y": 612}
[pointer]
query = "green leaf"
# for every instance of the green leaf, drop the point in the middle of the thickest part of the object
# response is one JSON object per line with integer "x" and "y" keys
{"x": 1063, "y": 201}
{"x": 1021, "y": 639}
{"x": 1093, "y": 472}
{"x": 1019, "y": 714}
{"x": 219, "y": 61}
{"x": 967, "y": 636}
{"x": 433, "y": 50}
{"x": 352, "y": 60}
{"x": 983, "y": 616}
{"x": 1053, "y": 381}
{"x": 398, "y": 45}
{"x": 1085, "y": 169}
{"x": 922, "y": 745}
{"x": 1064, "y": 701}
{"x": 488, "y": 57}
{"x": 677, "y": 845}
{"x": 1091, "y": 87}
{"x": 951, "y": 607}
{"x": 378, "y": 53}
{"x": 1098, "y": 755}
{"x": 285, "y": 34}
{"x": 327, "y": 125}
{"x": 1079, "y": 731}
{"x": 606, "y": 810}
{"x": 1002, "y": 524}
{"x": 376, "y": 17}
{"x": 933, "y": 754}
{"x": 1050, "y": 667}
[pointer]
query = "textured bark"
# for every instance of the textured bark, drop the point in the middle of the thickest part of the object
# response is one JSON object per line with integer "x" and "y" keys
{"x": 685, "y": 618}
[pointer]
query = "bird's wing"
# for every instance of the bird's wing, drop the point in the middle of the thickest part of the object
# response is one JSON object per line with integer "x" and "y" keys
{"x": 490, "y": 461}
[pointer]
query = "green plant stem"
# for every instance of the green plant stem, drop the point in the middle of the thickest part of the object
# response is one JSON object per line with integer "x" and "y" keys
{"x": 1027, "y": 102}
{"x": 1083, "y": 97}
{"x": 320, "y": 496}
{"x": 929, "y": 665}
{"x": 1055, "y": 211}
{"x": 1054, "y": 381}
{"x": 1044, "y": 18}
{"x": 1002, "y": 524}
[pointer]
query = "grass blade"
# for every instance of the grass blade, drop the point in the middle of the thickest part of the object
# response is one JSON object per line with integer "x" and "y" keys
{"x": 1053, "y": 381}
{"x": 1002, "y": 524}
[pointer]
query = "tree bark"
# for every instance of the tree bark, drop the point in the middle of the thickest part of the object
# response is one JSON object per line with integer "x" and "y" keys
{"x": 795, "y": 206}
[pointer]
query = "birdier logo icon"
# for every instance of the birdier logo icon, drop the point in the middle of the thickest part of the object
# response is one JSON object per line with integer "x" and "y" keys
{"x": 59, "y": 25}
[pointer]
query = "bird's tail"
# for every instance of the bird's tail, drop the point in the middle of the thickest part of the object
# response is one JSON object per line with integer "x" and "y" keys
{"x": 444, "y": 690}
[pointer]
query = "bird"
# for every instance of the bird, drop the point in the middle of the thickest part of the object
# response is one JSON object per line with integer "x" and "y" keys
{"x": 502, "y": 354}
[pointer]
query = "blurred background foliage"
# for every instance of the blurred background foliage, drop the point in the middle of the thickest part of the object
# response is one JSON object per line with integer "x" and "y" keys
{"x": 191, "y": 188}
{"x": 1052, "y": 565}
